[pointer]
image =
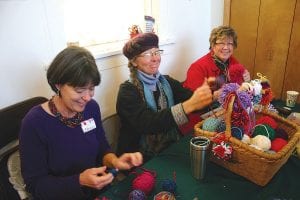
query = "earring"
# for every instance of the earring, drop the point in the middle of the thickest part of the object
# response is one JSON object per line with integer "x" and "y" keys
{"x": 58, "y": 92}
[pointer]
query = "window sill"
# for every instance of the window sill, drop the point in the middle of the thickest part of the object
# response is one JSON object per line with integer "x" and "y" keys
{"x": 115, "y": 48}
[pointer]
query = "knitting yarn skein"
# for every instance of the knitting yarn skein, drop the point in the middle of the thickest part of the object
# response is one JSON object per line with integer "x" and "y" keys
{"x": 144, "y": 182}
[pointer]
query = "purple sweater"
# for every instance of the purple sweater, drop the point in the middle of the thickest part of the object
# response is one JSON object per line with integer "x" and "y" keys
{"x": 53, "y": 154}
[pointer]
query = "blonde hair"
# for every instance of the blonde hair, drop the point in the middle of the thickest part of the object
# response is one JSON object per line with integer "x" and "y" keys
{"x": 135, "y": 81}
{"x": 221, "y": 32}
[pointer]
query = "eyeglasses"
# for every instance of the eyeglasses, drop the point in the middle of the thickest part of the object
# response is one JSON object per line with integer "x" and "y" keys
{"x": 151, "y": 53}
{"x": 223, "y": 44}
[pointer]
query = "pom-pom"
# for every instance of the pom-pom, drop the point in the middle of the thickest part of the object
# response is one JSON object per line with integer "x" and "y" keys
{"x": 267, "y": 120}
{"x": 137, "y": 195}
{"x": 164, "y": 196}
{"x": 237, "y": 132}
{"x": 144, "y": 182}
{"x": 169, "y": 185}
{"x": 246, "y": 139}
{"x": 278, "y": 144}
{"x": 264, "y": 129}
{"x": 236, "y": 73}
{"x": 262, "y": 142}
{"x": 211, "y": 124}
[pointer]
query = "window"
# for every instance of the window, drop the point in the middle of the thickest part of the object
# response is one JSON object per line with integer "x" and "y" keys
{"x": 102, "y": 26}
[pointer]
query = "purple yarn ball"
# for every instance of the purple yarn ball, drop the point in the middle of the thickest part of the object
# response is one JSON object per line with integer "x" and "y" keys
{"x": 137, "y": 195}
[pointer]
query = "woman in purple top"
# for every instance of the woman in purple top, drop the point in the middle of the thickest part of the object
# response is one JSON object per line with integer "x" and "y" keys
{"x": 64, "y": 152}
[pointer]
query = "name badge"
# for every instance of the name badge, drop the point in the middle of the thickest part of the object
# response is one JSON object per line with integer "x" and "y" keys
{"x": 88, "y": 125}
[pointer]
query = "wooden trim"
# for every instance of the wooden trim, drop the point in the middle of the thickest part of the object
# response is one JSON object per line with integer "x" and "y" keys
{"x": 226, "y": 16}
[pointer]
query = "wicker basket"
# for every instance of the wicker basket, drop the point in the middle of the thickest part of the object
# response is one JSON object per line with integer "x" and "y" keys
{"x": 255, "y": 165}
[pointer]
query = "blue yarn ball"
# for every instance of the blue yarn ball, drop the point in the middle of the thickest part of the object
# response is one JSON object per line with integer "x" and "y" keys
{"x": 221, "y": 127}
{"x": 169, "y": 185}
{"x": 237, "y": 132}
{"x": 137, "y": 195}
{"x": 211, "y": 124}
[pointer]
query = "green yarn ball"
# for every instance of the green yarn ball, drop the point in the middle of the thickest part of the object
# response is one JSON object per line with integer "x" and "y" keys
{"x": 264, "y": 129}
{"x": 211, "y": 124}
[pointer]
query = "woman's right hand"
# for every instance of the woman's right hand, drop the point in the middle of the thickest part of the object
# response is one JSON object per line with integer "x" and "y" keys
{"x": 201, "y": 98}
{"x": 95, "y": 178}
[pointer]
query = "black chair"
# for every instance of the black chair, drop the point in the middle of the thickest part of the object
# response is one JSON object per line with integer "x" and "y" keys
{"x": 10, "y": 122}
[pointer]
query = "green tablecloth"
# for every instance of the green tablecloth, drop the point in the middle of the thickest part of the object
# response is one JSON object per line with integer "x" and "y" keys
{"x": 218, "y": 184}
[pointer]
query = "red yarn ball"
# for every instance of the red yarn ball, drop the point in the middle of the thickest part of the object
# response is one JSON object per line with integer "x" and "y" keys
{"x": 144, "y": 182}
{"x": 277, "y": 144}
{"x": 267, "y": 120}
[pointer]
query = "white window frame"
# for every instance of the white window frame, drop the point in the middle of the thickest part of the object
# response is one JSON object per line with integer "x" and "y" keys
{"x": 155, "y": 8}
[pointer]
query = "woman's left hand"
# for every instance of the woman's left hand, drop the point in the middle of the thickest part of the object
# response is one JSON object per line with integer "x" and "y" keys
{"x": 128, "y": 160}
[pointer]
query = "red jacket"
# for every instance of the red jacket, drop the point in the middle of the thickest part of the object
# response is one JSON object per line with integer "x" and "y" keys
{"x": 205, "y": 67}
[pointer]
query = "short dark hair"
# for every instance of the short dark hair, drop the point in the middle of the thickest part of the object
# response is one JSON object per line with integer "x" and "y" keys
{"x": 74, "y": 66}
{"x": 220, "y": 32}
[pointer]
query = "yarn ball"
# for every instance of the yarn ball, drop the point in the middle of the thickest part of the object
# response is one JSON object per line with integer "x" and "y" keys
{"x": 211, "y": 124}
{"x": 277, "y": 144}
{"x": 281, "y": 133}
{"x": 237, "y": 132}
{"x": 236, "y": 72}
{"x": 164, "y": 196}
{"x": 246, "y": 139}
{"x": 221, "y": 127}
{"x": 137, "y": 195}
{"x": 261, "y": 141}
{"x": 144, "y": 182}
{"x": 267, "y": 120}
{"x": 264, "y": 129}
{"x": 169, "y": 185}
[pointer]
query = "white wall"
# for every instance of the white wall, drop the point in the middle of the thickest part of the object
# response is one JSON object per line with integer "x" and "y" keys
{"x": 31, "y": 34}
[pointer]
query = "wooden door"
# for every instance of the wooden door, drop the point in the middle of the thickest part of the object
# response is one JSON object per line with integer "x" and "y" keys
{"x": 273, "y": 38}
{"x": 243, "y": 18}
{"x": 292, "y": 72}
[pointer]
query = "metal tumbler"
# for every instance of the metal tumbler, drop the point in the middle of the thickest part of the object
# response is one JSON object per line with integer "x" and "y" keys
{"x": 198, "y": 151}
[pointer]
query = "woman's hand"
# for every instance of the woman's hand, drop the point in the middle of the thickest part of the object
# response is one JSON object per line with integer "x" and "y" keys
{"x": 201, "y": 98}
{"x": 95, "y": 178}
{"x": 128, "y": 160}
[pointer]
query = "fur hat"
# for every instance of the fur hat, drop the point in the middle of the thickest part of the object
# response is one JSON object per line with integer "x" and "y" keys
{"x": 139, "y": 44}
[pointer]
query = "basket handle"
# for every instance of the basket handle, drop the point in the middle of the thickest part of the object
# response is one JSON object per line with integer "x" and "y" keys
{"x": 228, "y": 117}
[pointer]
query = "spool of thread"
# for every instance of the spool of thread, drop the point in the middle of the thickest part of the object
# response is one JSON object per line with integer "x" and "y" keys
{"x": 264, "y": 129}
{"x": 267, "y": 120}
{"x": 169, "y": 185}
{"x": 262, "y": 142}
{"x": 137, "y": 195}
{"x": 237, "y": 132}
{"x": 281, "y": 133}
{"x": 144, "y": 182}
{"x": 211, "y": 124}
{"x": 277, "y": 144}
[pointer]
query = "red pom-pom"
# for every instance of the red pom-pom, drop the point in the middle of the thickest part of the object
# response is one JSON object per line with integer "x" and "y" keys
{"x": 236, "y": 73}
{"x": 267, "y": 120}
{"x": 277, "y": 144}
{"x": 144, "y": 182}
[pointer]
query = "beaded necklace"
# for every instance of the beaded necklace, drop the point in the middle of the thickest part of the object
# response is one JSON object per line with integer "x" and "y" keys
{"x": 71, "y": 122}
